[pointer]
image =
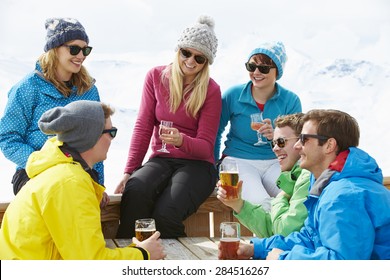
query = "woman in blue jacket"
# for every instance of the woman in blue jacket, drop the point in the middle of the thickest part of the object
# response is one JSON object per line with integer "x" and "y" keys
{"x": 59, "y": 79}
{"x": 258, "y": 166}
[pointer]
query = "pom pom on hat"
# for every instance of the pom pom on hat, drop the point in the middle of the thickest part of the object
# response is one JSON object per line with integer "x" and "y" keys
{"x": 79, "y": 124}
{"x": 275, "y": 51}
{"x": 62, "y": 30}
{"x": 200, "y": 37}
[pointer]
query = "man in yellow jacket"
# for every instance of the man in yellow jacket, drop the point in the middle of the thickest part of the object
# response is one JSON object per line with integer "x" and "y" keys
{"x": 57, "y": 214}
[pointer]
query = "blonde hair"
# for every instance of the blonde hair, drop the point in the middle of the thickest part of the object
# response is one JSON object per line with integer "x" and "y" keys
{"x": 49, "y": 62}
{"x": 193, "y": 95}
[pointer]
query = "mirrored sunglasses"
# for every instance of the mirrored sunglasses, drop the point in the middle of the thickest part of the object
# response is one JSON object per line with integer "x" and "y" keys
{"x": 200, "y": 59}
{"x": 112, "y": 131}
{"x": 264, "y": 69}
{"x": 281, "y": 141}
{"x": 75, "y": 50}
{"x": 304, "y": 137}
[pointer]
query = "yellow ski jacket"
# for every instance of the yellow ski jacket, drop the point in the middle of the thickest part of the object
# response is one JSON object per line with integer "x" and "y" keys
{"x": 56, "y": 215}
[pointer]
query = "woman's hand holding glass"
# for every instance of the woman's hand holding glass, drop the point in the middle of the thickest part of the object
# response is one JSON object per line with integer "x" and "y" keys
{"x": 257, "y": 123}
{"x": 163, "y": 131}
{"x": 235, "y": 203}
{"x": 263, "y": 127}
{"x": 171, "y": 136}
{"x": 267, "y": 130}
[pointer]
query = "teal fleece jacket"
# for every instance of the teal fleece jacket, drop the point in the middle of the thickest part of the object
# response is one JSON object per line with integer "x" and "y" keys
{"x": 237, "y": 106}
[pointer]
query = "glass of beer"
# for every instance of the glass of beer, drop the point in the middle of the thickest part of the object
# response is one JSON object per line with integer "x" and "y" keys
{"x": 144, "y": 228}
{"x": 230, "y": 240}
{"x": 228, "y": 174}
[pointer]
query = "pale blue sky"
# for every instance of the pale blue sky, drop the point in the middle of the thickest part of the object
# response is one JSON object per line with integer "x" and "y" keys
{"x": 357, "y": 29}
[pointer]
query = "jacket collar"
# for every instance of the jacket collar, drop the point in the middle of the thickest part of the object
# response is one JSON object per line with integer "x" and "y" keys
{"x": 70, "y": 152}
{"x": 336, "y": 166}
{"x": 246, "y": 93}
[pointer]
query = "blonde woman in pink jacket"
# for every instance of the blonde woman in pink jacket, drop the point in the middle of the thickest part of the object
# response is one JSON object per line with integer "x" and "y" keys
{"x": 169, "y": 187}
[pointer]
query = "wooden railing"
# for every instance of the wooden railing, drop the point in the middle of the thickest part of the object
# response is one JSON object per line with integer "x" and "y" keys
{"x": 386, "y": 182}
{"x": 205, "y": 222}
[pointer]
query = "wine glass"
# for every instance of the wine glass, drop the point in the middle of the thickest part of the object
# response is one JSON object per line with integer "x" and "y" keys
{"x": 256, "y": 123}
{"x": 163, "y": 130}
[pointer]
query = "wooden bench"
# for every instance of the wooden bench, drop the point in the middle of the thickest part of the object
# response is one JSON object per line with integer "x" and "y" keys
{"x": 205, "y": 222}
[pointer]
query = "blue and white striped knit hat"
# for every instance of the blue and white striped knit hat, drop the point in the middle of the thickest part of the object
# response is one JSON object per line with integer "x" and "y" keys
{"x": 62, "y": 30}
{"x": 275, "y": 51}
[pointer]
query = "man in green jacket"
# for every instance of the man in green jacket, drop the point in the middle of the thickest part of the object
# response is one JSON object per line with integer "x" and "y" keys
{"x": 287, "y": 209}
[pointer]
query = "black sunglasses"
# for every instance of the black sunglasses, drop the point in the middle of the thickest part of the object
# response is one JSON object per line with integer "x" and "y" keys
{"x": 200, "y": 59}
{"x": 304, "y": 137}
{"x": 112, "y": 131}
{"x": 264, "y": 69}
{"x": 75, "y": 50}
{"x": 281, "y": 142}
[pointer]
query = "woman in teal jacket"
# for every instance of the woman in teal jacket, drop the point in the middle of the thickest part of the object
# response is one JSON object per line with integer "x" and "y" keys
{"x": 288, "y": 211}
{"x": 258, "y": 166}
{"x": 59, "y": 79}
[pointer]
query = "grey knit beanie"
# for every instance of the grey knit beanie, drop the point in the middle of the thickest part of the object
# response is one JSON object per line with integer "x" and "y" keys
{"x": 62, "y": 30}
{"x": 200, "y": 37}
{"x": 79, "y": 124}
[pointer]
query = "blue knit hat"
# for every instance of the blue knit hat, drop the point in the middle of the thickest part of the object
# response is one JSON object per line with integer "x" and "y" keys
{"x": 275, "y": 51}
{"x": 62, "y": 30}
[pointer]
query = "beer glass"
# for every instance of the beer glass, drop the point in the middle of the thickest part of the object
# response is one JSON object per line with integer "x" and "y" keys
{"x": 144, "y": 228}
{"x": 230, "y": 240}
{"x": 228, "y": 174}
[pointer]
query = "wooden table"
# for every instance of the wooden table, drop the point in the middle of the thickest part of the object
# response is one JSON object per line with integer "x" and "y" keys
{"x": 183, "y": 248}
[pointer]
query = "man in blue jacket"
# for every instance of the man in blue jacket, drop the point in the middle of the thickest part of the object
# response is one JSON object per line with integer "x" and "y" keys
{"x": 348, "y": 206}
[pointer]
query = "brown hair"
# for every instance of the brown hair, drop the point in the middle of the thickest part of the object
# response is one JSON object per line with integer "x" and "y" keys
{"x": 261, "y": 58}
{"x": 335, "y": 124}
{"x": 293, "y": 120}
{"x": 108, "y": 111}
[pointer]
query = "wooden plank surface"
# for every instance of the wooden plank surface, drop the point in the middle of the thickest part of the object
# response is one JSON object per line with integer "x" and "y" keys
{"x": 172, "y": 247}
{"x": 175, "y": 250}
{"x": 202, "y": 247}
{"x": 183, "y": 248}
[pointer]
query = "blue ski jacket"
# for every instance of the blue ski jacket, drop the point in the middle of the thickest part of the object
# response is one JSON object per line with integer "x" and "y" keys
{"x": 348, "y": 216}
